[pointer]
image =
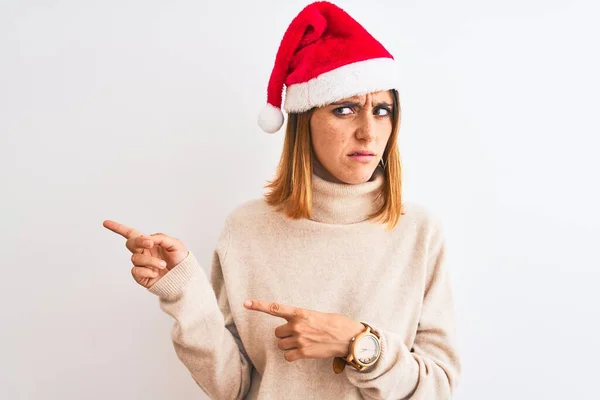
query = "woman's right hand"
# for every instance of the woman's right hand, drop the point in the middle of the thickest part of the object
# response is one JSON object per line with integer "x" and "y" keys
{"x": 153, "y": 256}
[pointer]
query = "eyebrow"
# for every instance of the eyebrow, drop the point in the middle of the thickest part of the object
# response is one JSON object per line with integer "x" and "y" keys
{"x": 357, "y": 104}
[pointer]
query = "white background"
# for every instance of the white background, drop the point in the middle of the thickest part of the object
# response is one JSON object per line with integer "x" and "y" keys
{"x": 145, "y": 112}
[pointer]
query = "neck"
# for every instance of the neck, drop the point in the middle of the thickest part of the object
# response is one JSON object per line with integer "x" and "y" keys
{"x": 320, "y": 171}
{"x": 335, "y": 202}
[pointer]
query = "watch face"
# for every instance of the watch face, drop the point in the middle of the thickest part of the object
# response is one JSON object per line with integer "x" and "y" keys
{"x": 367, "y": 349}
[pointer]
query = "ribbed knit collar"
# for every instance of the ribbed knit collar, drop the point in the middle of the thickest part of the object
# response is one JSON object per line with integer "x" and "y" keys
{"x": 340, "y": 203}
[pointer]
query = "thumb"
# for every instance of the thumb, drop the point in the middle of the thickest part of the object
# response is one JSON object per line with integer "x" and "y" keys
{"x": 166, "y": 242}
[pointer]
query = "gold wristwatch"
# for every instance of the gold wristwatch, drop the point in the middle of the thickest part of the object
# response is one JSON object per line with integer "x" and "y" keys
{"x": 363, "y": 352}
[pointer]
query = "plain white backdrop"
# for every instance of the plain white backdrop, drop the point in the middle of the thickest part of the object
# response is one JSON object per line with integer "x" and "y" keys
{"x": 145, "y": 112}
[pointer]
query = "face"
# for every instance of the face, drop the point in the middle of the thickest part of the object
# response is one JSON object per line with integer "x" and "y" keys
{"x": 349, "y": 136}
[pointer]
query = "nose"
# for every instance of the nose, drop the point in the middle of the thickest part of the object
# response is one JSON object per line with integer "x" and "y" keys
{"x": 365, "y": 128}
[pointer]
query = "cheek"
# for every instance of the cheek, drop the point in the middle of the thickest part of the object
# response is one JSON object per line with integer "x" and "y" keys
{"x": 383, "y": 134}
{"x": 330, "y": 139}
{"x": 336, "y": 139}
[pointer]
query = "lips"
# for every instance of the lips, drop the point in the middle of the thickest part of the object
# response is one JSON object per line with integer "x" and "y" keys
{"x": 361, "y": 153}
{"x": 362, "y": 156}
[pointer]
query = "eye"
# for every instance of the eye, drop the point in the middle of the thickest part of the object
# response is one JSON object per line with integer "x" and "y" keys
{"x": 386, "y": 111}
{"x": 340, "y": 110}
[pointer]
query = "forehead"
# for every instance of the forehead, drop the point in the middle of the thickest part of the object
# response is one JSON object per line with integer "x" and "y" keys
{"x": 374, "y": 97}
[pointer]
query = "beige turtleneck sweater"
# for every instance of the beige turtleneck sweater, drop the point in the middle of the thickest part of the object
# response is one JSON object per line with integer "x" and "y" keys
{"x": 336, "y": 262}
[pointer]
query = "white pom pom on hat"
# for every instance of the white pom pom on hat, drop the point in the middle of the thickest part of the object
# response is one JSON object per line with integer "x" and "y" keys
{"x": 325, "y": 56}
{"x": 270, "y": 118}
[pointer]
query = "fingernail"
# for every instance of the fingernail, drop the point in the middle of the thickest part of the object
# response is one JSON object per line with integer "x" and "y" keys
{"x": 248, "y": 303}
{"x": 163, "y": 263}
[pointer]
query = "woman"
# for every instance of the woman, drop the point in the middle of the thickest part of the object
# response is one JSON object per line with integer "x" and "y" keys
{"x": 327, "y": 288}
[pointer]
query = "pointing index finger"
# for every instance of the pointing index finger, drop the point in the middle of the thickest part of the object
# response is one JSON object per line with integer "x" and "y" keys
{"x": 276, "y": 309}
{"x": 123, "y": 230}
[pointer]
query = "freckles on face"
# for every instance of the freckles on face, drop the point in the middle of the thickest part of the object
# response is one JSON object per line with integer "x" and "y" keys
{"x": 331, "y": 136}
{"x": 359, "y": 123}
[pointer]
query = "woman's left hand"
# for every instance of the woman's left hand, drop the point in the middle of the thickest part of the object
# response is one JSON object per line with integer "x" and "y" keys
{"x": 308, "y": 333}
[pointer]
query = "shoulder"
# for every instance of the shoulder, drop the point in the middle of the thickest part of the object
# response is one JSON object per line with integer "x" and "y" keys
{"x": 252, "y": 213}
{"x": 245, "y": 221}
{"x": 421, "y": 215}
{"x": 425, "y": 224}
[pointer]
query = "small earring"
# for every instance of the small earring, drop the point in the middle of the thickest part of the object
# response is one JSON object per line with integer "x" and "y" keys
{"x": 382, "y": 163}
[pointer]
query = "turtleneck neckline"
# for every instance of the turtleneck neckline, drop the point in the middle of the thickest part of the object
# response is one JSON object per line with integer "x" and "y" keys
{"x": 341, "y": 203}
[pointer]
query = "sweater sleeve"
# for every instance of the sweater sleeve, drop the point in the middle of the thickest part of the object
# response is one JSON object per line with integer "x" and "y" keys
{"x": 204, "y": 334}
{"x": 430, "y": 368}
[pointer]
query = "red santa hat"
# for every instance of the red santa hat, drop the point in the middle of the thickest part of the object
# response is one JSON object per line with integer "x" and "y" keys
{"x": 325, "y": 55}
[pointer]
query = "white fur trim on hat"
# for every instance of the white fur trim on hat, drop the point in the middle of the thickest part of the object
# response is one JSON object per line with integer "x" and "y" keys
{"x": 349, "y": 80}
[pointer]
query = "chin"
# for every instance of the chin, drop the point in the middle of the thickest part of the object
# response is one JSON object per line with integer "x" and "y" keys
{"x": 361, "y": 175}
